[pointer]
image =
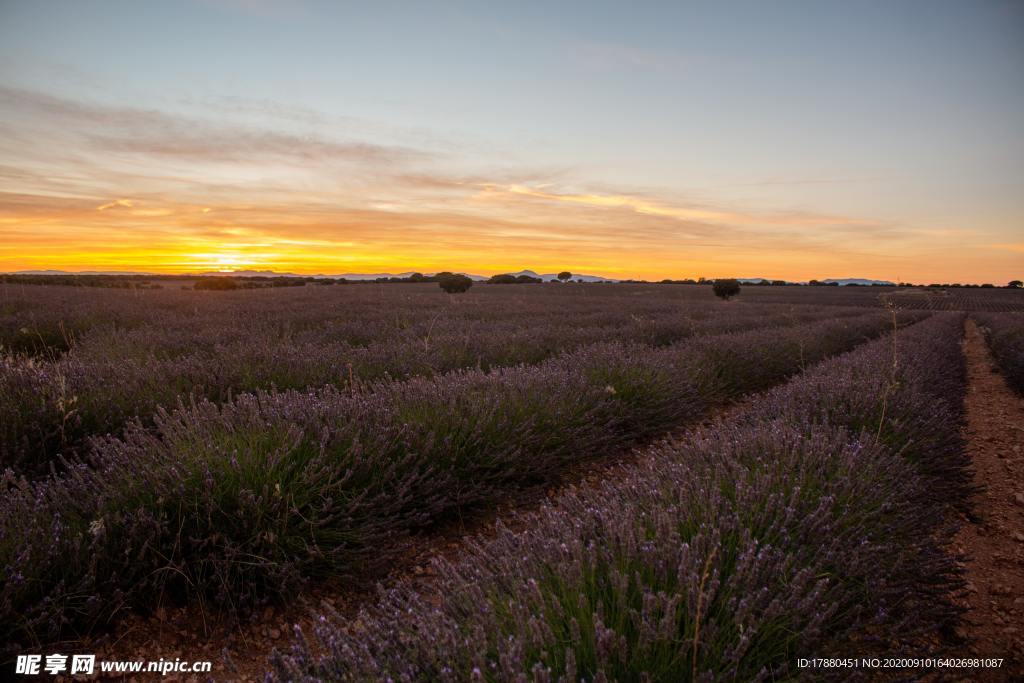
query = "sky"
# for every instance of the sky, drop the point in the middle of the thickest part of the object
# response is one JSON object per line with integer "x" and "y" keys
{"x": 789, "y": 140}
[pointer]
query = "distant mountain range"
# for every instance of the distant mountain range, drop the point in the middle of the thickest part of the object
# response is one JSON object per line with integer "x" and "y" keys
{"x": 546, "y": 277}
{"x": 80, "y": 272}
{"x": 347, "y": 276}
{"x": 551, "y": 277}
{"x": 840, "y": 281}
{"x": 857, "y": 281}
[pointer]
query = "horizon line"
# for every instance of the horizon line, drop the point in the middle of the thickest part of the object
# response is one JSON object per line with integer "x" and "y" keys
{"x": 272, "y": 273}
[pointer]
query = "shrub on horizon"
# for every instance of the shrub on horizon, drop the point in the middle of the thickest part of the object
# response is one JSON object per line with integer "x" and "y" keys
{"x": 454, "y": 284}
{"x": 726, "y": 289}
{"x": 216, "y": 283}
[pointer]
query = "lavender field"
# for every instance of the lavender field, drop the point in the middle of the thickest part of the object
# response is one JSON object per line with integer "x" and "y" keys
{"x": 795, "y": 467}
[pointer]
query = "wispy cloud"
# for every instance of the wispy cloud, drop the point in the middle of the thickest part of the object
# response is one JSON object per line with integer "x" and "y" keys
{"x": 114, "y": 204}
{"x": 652, "y": 207}
{"x": 104, "y": 128}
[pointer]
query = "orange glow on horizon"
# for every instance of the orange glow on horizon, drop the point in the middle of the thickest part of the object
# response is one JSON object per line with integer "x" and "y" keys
{"x": 511, "y": 229}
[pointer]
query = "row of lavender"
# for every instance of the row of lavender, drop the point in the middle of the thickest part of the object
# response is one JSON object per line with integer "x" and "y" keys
{"x": 34, "y": 318}
{"x": 243, "y": 501}
{"x": 971, "y": 299}
{"x": 1005, "y": 335}
{"x": 109, "y": 375}
{"x": 50, "y": 320}
{"x": 812, "y": 526}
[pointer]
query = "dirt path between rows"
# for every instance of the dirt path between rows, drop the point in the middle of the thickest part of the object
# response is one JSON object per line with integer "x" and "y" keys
{"x": 992, "y": 543}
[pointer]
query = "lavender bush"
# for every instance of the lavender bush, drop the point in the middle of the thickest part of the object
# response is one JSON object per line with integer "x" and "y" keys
{"x": 902, "y": 391}
{"x": 240, "y": 501}
{"x": 792, "y": 532}
{"x": 1005, "y": 335}
{"x": 152, "y": 348}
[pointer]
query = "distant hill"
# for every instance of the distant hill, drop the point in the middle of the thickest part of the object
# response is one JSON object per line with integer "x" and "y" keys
{"x": 857, "y": 281}
{"x": 251, "y": 273}
{"x": 371, "y": 276}
{"x": 80, "y": 272}
{"x": 374, "y": 276}
{"x": 551, "y": 277}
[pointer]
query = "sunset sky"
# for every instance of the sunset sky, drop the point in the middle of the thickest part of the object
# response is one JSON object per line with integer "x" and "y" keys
{"x": 763, "y": 139}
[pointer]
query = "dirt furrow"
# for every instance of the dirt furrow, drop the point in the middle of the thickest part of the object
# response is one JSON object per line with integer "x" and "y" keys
{"x": 992, "y": 542}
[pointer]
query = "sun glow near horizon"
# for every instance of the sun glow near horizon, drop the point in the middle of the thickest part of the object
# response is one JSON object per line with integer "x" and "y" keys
{"x": 544, "y": 229}
{"x": 484, "y": 228}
